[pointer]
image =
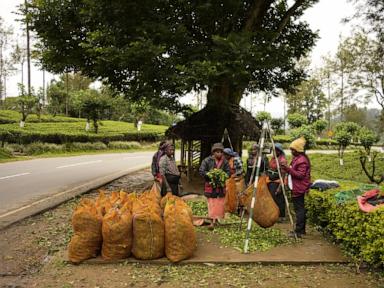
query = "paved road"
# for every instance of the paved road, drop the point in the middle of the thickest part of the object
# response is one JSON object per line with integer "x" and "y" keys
{"x": 24, "y": 182}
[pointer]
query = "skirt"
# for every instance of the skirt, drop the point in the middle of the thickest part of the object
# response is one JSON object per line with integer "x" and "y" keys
{"x": 216, "y": 208}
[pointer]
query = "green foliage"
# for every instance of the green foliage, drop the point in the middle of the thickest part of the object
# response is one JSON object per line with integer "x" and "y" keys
{"x": 343, "y": 138}
{"x": 326, "y": 166}
{"x": 351, "y": 127}
{"x": 9, "y": 117}
{"x": 320, "y": 125}
{"x": 307, "y": 132}
{"x": 296, "y": 120}
{"x": 277, "y": 125}
{"x": 344, "y": 131}
{"x": 157, "y": 63}
{"x": 367, "y": 138}
{"x": 4, "y": 154}
{"x": 93, "y": 106}
{"x": 262, "y": 116}
{"x": 124, "y": 145}
{"x": 260, "y": 239}
{"x": 307, "y": 100}
{"x": 361, "y": 235}
{"x": 65, "y": 132}
{"x": 217, "y": 177}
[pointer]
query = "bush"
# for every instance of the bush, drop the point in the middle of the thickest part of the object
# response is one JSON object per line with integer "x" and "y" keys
{"x": 79, "y": 146}
{"x": 4, "y": 154}
{"x": 40, "y": 148}
{"x": 297, "y": 120}
{"x": 307, "y": 132}
{"x": 124, "y": 145}
{"x": 360, "y": 234}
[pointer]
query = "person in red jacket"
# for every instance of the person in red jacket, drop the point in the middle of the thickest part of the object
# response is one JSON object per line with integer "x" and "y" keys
{"x": 299, "y": 180}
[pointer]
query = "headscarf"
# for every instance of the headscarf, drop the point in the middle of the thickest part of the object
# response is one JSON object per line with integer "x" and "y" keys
{"x": 279, "y": 147}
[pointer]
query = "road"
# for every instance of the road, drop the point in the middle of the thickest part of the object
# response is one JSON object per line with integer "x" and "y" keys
{"x": 24, "y": 182}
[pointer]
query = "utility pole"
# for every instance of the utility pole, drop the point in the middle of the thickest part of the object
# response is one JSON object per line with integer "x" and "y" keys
{"x": 28, "y": 48}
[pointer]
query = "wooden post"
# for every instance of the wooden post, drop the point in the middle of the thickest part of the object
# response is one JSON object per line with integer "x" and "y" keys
{"x": 182, "y": 153}
{"x": 189, "y": 171}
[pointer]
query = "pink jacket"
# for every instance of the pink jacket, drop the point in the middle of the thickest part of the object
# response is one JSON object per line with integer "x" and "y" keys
{"x": 300, "y": 171}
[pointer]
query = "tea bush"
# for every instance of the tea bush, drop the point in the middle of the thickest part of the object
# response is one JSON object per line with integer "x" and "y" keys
{"x": 360, "y": 234}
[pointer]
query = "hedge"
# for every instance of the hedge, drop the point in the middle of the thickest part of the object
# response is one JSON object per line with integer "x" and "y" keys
{"x": 61, "y": 133}
{"x": 360, "y": 234}
{"x": 27, "y": 137}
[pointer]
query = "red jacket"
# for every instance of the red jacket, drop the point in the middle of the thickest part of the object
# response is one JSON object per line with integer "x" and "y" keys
{"x": 300, "y": 171}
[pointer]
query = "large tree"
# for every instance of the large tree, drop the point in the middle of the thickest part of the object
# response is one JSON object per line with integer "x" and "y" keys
{"x": 156, "y": 51}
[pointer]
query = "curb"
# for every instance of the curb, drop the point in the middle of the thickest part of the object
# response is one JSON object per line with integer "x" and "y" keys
{"x": 55, "y": 200}
{"x": 165, "y": 261}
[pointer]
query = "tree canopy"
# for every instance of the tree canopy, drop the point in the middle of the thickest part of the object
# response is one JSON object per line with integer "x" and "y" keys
{"x": 158, "y": 50}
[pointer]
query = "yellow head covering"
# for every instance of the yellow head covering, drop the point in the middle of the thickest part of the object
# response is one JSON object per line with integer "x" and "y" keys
{"x": 298, "y": 144}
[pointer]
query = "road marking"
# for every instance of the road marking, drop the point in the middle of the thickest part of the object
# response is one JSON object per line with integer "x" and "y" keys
{"x": 16, "y": 175}
{"x": 79, "y": 164}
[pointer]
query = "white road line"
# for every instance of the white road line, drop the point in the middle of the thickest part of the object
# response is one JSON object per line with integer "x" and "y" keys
{"x": 16, "y": 175}
{"x": 79, "y": 164}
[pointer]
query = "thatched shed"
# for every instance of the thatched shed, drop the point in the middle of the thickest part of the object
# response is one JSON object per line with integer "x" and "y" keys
{"x": 198, "y": 132}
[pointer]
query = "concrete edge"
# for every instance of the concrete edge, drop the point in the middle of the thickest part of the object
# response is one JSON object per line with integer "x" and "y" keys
{"x": 165, "y": 261}
{"x": 50, "y": 202}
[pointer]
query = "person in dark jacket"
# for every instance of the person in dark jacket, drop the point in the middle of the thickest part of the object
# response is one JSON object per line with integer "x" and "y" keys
{"x": 169, "y": 171}
{"x": 156, "y": 158}
{"x": 215, "y": 196}
{"x": 253, "y": 155}
{"x": 274, "y": 182}
{"x": 299, "y": 180}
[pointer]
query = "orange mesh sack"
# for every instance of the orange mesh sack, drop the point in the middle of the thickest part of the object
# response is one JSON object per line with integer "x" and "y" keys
{"x": 240, "y": 185}
{"x": 103, "y": 203}
{"x": 155, "y": 192}
{"x": 148, "y": 231}
{"x": 180, "y": 236}
{"x": 115, "y": 198}
{"x": 167, "y": 197}
{"x": 230, "y": 195}
{"x": 266, "y": 212}
{"x": 117, "y": 235}
{"x": 87, "y": 238}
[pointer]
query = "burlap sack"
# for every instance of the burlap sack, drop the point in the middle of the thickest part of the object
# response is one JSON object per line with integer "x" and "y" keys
{"x": 168, "y": 196}
{"x": 117, "y": 235}
{"x": 155, "y": 192}
{"x": 180, "y": 235}
{"x": 230, "y": 195}
{"x": 87, "y": 238}
{"x": 103, "y": 203}
{"x": 266, "y": 212}
{"x": 148, "y": 229}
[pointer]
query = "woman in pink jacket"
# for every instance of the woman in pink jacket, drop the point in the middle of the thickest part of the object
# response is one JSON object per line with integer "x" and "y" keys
{"x": 300, "y": 174}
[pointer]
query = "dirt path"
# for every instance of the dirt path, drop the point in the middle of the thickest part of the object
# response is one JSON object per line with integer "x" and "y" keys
{"x": 31, "y": 255}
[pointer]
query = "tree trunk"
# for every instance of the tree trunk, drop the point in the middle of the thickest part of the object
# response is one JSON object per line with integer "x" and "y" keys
{"x": 225, "y": 100}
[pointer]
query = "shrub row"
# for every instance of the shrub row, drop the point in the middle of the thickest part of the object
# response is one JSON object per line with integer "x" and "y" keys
{"x": 26, "y": 137}
{"x": 37, "y": 148}
{"x": 360, "y": 234}
{"x": 10, "y": 116}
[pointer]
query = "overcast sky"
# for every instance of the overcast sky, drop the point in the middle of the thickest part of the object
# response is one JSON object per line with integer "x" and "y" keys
{"x": 325, "y": 17}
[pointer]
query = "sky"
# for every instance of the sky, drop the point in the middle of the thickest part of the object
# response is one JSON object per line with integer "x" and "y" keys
{"x": 324, "y": 17}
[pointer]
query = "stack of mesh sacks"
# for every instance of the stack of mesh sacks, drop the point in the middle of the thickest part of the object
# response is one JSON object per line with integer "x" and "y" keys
{"x": 123, "y": 223}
